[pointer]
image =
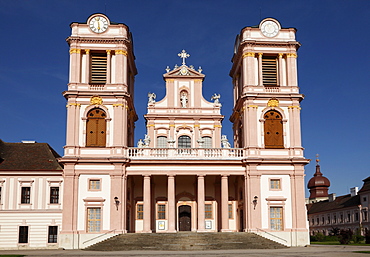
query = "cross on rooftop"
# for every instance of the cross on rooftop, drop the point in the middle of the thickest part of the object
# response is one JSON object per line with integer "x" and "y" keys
{"x": 183, "y": 55}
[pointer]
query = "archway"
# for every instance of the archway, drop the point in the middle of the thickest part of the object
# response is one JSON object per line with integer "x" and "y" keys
{"x": 184, "y": 218}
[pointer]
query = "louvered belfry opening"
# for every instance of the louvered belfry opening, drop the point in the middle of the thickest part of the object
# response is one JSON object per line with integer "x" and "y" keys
{"x": 98, "y": 68}
{"x": 269, "y": 70}
{"x": 96, "y": 128}
{"x": 273, "y": 130}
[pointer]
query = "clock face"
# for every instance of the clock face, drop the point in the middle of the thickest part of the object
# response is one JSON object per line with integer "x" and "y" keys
{"x": 98, "y": 24}
{"x": 269, "y": 29}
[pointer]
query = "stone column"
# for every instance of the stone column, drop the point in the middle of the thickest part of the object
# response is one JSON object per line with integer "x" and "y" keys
{"x": 75, "y": 67}
{"x": 147, "y": 204}
{"x": 260, "y": 75}
{"x": 201, "y": 198}
{"x": 108, "y": 80}
{"x": 280, "y": 67}
{"x": 87, "y": 68}
{"x": 171, "y": 203}
{"x": 224, "y": 203}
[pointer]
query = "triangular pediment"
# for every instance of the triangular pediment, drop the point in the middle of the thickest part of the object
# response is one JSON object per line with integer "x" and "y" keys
{"x": 183, "y": 71}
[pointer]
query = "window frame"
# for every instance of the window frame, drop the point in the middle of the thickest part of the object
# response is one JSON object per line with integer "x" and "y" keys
{"x": 52, "y": 234}
{"x": 94, "y": 222}
{"x": 272, "y": 185}
{"x": 25, "y": 195}
{"x": 208, "y": 211}
{"x": 139, "y": 215}
{"x": 161, "y": 214}
{"x": 273, "y": 226}
{"x": 54, "y": 198}
{"x": 23, "y": 235}
{"x": 181, "y": 143}
{"x": 162, "y": 142}
{"x": 89, "y": 184}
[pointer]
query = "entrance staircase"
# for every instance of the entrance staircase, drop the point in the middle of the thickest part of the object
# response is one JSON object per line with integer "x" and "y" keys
{"x": 184, "y": 241}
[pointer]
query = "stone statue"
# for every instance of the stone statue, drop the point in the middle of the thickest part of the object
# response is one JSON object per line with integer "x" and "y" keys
{"x": 216, "y": 98}
{"x": 225, "y": 142}
{"x": 184, "y": 100}
{"x": 140, "y": 143}
{"x": 151, "y": 98}
{"x": 146, "y": 140}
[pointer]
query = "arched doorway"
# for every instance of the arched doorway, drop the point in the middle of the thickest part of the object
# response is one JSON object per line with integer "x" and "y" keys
{"x": 184, "y": 218}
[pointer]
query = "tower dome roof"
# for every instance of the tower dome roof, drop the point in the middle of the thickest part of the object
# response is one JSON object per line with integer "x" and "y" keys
{"x": 318, "y": 180}
{"x": 318, "y": 184}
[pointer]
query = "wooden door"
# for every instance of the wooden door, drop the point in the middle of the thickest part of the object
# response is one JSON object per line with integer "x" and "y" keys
{"x": 273, "y": 130}
{"x": 96, "y": 128}
{"x": 184, "y": 218}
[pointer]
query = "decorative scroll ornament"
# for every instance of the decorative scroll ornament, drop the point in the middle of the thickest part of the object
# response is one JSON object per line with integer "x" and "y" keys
{"x": 96, "y": 100}
{"x": 273, "y": 102}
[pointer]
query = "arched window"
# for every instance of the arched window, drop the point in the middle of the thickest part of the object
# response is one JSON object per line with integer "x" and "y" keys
{"x": 184, "y": 142}
{"x": 162, "y": 142}
{"x": 273, "y": 130}
{"x": 96, "y": 128}
{"x": 207, "y": 142}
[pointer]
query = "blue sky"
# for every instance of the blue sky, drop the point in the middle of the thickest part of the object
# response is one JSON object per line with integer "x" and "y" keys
{"x": 333, "y": 66}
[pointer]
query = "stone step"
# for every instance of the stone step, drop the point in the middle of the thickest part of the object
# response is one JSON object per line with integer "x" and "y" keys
{"x": 184, "y": 241}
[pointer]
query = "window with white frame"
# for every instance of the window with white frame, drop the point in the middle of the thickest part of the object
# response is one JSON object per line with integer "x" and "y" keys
{"x": 184, "y": 142}
{"x": 23, "y": 235}
{"x": 26, "y": 195}
{"x": 208, "y": 212}
{"x": 52, "y": 234}
{"x": 94, "y": 184}
{"x": 207, "y": 142}
{"x": 93, "y": 219}
{"x": 231, "y": 216}
{"x": 275, "y": 184}
{"x": 162, "y": 142}
{"x": 139, "y": 211}
{"x": 161, "y": 211}
{"x": 54, "y": 194}
{"x": 276, "y": 218}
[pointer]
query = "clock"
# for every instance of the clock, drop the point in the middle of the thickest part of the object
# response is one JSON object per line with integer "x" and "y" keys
{"x": 98, "y": 24}
{"x": 269, "y": 28}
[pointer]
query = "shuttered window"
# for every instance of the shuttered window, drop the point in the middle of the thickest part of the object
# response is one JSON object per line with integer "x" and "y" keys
{"x": 98, "y": 68}
{"x": 269, "y": 70}
{"x": 273, "y": 130}
{"x": 96, "y": 128}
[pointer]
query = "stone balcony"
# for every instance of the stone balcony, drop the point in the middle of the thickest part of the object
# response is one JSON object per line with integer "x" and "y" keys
{"x": 146, "y": 153}
{"x": 186, "y": 153}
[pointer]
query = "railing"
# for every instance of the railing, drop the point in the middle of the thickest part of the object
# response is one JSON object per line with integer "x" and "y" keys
{"x": 272, "y": 89}
{"x": 97, "y": 87}
{"x": 98, "y": 236}
{"x": 186, "y": 153}
{"x": 282, "y": 239}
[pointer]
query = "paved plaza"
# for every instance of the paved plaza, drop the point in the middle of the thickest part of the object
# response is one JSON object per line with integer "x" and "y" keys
{"x": 312, "y": 251}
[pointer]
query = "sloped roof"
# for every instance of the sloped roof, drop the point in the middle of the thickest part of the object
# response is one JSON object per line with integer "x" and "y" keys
{"x": 340, "y": 202}
{"x": 28, "y": 156}
{"x": 366, "y": 185}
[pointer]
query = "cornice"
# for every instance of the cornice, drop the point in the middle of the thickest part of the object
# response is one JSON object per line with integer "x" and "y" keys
{"x": 97, "y": 40}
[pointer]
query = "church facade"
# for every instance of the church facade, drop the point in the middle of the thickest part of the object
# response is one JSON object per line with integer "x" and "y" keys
{"x": 184, "y": 175}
